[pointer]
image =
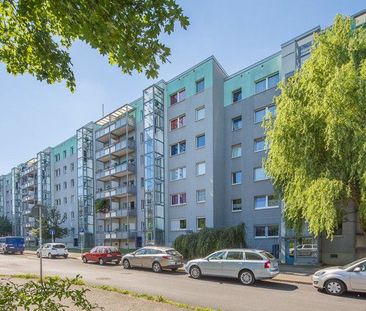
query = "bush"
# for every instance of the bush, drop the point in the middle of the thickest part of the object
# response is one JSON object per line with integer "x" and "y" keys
{"x": 208, "y": 240}
{"x": 44, "y": 296}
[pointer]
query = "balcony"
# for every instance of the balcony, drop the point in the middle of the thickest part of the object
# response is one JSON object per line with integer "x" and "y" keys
{"x": 118, "y": 128}
{"x": 29, "y": 198}
{"x": 116, "y": 172}
{"x": 29, "y": 171}
{"x": 118, "y": 192}
{"x": 117, "y": 150}
{"x": 120, "y": 213}
{"x": 29, "y": 185}
{"x": 119, "y": 235}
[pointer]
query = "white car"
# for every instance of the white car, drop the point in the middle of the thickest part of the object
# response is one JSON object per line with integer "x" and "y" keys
{"x": 337, "y": 280}
{"x": 53, "y": 250}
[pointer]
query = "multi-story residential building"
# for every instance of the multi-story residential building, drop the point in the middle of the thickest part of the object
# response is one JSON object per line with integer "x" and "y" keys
{"x": 187, "y": 154}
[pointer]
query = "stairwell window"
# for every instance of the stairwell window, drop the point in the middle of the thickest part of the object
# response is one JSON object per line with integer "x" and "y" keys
{"x": 177, "y": 97}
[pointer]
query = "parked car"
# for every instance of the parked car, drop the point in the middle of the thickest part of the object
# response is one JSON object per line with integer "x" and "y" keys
{"x": 102, "y": 255}
{"x": 155, "y": 258}
{"x": 53, "y": 250}
{"x": 248, "y": 265}
{"x": 12, "y": 244}
{"x": 337, "y": 280}
{"x": 305, "y": 250}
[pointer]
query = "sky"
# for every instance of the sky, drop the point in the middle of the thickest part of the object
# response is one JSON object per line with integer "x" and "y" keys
{"x": 35, "y": 115}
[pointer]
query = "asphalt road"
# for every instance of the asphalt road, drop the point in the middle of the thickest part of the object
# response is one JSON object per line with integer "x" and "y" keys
{"x": 216, "y": 293}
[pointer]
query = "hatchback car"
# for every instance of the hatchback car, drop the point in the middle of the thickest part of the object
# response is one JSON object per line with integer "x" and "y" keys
{"x": 248, "y": 265}
{"x": 155, "y": 258}
{"x": 337, "y": 280}
{"x": 53, "y": 250}
{"x": 102, "y": 255}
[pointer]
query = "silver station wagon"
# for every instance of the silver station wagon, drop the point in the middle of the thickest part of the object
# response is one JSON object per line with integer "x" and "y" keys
{"x": 248, "y": 265}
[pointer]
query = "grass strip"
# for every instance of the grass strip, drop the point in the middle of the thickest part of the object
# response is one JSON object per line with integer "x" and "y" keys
{"x": 158, "y": 298}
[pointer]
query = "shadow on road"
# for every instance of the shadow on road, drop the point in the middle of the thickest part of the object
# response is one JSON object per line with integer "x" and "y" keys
{"x": 347, "y": 295}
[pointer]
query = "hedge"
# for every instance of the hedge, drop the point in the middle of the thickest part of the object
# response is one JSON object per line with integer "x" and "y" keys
{"x": 208, "y": 240}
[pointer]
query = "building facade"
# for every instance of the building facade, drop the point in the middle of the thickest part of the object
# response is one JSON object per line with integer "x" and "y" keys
{"x": 187, "y": 154}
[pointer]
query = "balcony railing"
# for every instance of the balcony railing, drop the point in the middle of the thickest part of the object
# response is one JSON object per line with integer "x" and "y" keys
{"x": 120, "y": 123}
{"x": 117, "y": 192}
{"x": 30, "y": 170}
{"x": 117, "y": 171}
{"x": 116, "y": 149}
{"x": 30, "y": 197}
{"x": 29, "y": 184}
{"x": 119, "y": 234}
{"x": 119, "y": 213}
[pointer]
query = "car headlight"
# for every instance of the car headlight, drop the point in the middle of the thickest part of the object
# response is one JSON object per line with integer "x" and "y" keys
{"x": 320, "y": 273}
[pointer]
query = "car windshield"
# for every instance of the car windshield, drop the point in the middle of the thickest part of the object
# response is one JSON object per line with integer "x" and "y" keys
{"x": 173, "y": 252}
{"x": 113, "y": 250}
{"x": 59, "y": 246}
{"x": 352, "y": 264}
{"x": 268, "y": 255}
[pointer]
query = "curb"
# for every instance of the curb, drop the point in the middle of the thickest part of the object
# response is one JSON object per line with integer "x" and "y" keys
{"x": 278, "y": 280}
{"x": 34, "y": 253}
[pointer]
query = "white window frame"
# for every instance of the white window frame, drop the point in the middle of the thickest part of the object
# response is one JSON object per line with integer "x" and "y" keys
{"x": 199, "y": 136}
{"x": 266, "y": 111}
{"x": 179, "y": 199}
{"x": 198, "y": 228}
{"x": 265, "y": 176}
{"x": 266, "y": 204}
{"x": 232, "y": 148}
{"x": 179, "y": 171}
{"x": 232, "y": 178}
{"x": 197, "y": 110}
{"x": 266, "y": 236}
{"x": 266, "y": 81}
{"x": 232, "y": 123}
{"x": 182, "y": 116}
{"x": 197, "y": 166}
{"x": 258, "y": 140}
{"x": 197, "y": 191}
{"x": 241, "y": 205}
{"x": 178, "y": 228}
{"x": 179, "y": 148}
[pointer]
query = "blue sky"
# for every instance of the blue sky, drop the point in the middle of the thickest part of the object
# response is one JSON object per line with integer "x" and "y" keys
{"x": 35, "y": 115}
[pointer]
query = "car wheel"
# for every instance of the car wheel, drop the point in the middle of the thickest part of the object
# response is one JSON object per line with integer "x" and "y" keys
{"x": 334, "y": 287}
{"x": 157, "y": 267}
{"x": 101, "y": 261}
{"x": 50, "y": 256}
{"x": 38, "y": 255}
{"x": 84, "y": 259}
{"x": 195, "y": 272}
{"x": 65, "y": 256}
{"x": 246, "y": 277}
{"x": 126, "y": 264}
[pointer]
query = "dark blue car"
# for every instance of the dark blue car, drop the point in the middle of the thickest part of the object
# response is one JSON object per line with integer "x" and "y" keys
{"x": 12, "y": 244}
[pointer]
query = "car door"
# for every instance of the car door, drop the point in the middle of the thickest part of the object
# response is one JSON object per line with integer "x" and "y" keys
{"x": 212, "y": 265}
{"x": 136, "y": 259}
{"x": 232, "y": 263}
{"x": 45, "y": 250}
{"x": 147, "y": 258}
{"x": 358, "y": 279}
{"x": 255, "y": 263}
{"x": 91, "y": 256}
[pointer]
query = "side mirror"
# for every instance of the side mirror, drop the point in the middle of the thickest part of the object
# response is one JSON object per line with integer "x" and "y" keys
{"x": 357, "y": 269}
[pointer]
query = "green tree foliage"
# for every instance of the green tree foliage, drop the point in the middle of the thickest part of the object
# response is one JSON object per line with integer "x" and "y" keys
{"x": 51, "y": 295}
{"x": 5, "y": 226}
{"x": 102, "y": 206}
{"x": 317, "y": 155}
{"x": 208, "y": 240}
{"x": 35, "y": 35}
{"x": 51, "y": 220}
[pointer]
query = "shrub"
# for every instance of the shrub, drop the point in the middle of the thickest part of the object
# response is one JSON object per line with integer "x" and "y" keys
{"x": 208, "y": 240}
{"x": 44, "y": 296}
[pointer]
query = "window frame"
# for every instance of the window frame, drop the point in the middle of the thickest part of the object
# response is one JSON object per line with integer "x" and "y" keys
{"x": 238, "y": 90}
{"x": 177, "y": 169}
{"x": 204, "y": 191}
{"x": 265, "y": 176}
{"x": 179, "y": 148}
{"x": 232, "y": 205}
{"x": 179, "y": 198}
{"x": 178, "y": 95}
{"x": 232, "y": 148}
{"x": 183, "y": 117}
{"x": 260, "y": 139}
{"x": 266, "y": 196}
{"x": 197, "y": 222}
{"x": 202, "y": 80}
{"x": 266, "y": 111}
{"x": 197, "y": 165}
{"x": 232, "y": 178}
{"x": 233, "y": 122}
{"x": 197, "y": 139}
{"x": 196, "y": 113}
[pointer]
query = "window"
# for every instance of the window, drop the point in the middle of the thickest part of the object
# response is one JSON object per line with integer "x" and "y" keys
{"x": 72, "y": 215}
{"x": 217, "y": 255}
{"x": 65, "y": 169}
{"x": 260, "y": 114}
{"x": 58, "y": 187}
{"x": 57, "y": 172}
{"x": 201, "y": 196}
{"x": 266, "y": 201}
{"x": 236, "y": 95}
{"x": 178, "y": 199}
{"x": 178, "y": 173}
{"x": 236, "y": 205}
{"x": 178, "y": 122}
{"x": 64, "y": 154}
{"x": 178, "y": 148}
{"x": 237, "y": 123}
{"x": 177, "y": 97}
{"x": 71, "y": 150}
{"x": 236, "y": 178}
{"x": 267, "y": 83}
{"x": 200, "y": 85}
{"x": 178, "y": 224}
{"x": 65, "y": 200}
{"x": 267, "y": 231}
{"x": 57, "y": 157}
{"x": 72, "y": 198}
{"x": 234, "y": 255}
{"x": 259, "y": 144}
{"x": 65, "y": 185}
{"x": 303, "y": 53}
{"x": 260, "y": 174}
{"x": 72, "y": 182}
{"x": 200, "y": 168}
{"x": 236, "y": 151}
{"x": 253, "y": 256}
{"x": 72, "y": 167}
{"x": 201, "y": 223}
{"x": 200, "y": 141}
{"x": 200, "y": 113}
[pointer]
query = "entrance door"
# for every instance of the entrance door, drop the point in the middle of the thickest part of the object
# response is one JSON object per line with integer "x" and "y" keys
{"x": 290, "y": 251}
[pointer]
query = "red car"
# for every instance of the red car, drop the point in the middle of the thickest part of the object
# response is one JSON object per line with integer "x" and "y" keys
{"x": 102, "y": 255}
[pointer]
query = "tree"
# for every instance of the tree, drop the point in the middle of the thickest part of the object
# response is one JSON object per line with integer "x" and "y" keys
{"x": 317, "y": 155}
{"x": 5, "y": 226}
{"x": 35, "y": 35}
{"x": 51, "y": 220}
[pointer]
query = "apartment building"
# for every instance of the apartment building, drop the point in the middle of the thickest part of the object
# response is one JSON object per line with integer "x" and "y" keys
{"x": 187, "y": 154}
